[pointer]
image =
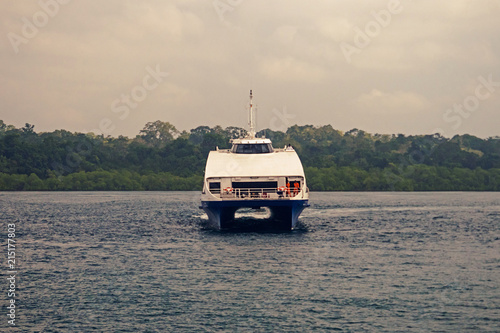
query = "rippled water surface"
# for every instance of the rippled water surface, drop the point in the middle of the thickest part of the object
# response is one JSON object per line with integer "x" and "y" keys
{"x": 143, "y": 262}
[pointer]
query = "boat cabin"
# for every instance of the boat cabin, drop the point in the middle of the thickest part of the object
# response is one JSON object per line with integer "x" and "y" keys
{"x": 252, "y": 146}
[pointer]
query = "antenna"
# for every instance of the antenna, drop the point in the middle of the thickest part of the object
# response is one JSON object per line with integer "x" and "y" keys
{"x": 251, "y": 117}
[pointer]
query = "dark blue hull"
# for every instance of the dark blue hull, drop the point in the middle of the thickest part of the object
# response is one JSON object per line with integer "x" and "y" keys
{"x": 284, "y": 213}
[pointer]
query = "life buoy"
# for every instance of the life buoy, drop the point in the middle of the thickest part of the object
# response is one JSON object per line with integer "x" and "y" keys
{"x": 282, "y": 188}
{"x": 228, "y": 190}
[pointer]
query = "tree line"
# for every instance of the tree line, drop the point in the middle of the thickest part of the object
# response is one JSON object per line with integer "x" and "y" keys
{"x": 162, "y": 158}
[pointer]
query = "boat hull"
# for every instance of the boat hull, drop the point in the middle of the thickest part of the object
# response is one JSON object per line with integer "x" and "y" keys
{"x": 284, "y": 213}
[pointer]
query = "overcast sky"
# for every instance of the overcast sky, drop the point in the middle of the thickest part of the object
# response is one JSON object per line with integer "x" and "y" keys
{"x": 412, "y": 67}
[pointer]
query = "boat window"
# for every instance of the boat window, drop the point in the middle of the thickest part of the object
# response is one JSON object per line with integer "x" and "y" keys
{"x": 255, "y": 185}
{"x": 214, "y": 187}
{"x": 255, "y": 148}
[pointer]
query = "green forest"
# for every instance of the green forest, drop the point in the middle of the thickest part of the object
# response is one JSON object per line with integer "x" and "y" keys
{"x": 161, "y": 158}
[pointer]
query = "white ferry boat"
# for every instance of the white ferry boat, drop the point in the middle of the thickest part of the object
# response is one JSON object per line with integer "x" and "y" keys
{"x": 253, "y": 174}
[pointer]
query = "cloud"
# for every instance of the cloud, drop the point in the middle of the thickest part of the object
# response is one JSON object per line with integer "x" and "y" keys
{"x": 284, "y": 34}
{"x": 391, "y": 103}
{"x": 287, "y": 51}
{"x": 422, "y": 36}
{"x": 337, "y": 28}
{"x": 290, "y": 70}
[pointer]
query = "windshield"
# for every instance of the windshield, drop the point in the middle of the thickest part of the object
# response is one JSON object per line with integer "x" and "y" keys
{"x": 259, "y": 148}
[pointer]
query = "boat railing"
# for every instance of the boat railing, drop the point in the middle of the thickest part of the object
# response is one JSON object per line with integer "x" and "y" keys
{"x": 275, "y": 150}
{"x": 257, "y": 193}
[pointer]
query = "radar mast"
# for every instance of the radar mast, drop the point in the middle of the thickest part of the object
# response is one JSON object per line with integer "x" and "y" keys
{"x": 251, "y": 117}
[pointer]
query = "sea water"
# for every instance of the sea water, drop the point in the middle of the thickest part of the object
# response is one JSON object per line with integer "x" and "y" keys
{"x": 144, "y": 262}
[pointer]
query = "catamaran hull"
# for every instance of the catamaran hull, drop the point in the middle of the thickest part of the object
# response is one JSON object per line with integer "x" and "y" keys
{"x": 284, "y": 213}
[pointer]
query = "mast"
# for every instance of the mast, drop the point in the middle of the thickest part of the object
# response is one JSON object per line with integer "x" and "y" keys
{"x": 250, "y": 117}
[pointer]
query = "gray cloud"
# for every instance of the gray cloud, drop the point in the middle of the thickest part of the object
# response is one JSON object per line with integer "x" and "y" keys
{"x": 421, "y": 61}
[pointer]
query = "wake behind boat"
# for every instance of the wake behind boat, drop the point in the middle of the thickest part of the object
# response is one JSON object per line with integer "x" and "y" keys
{"x": 253, "y": 174}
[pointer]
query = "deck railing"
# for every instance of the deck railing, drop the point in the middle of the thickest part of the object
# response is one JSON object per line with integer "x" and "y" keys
{"x": 256, "y": 193}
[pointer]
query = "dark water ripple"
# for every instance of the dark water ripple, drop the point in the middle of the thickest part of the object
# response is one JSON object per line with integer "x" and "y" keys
{"x": 142, "y": 262}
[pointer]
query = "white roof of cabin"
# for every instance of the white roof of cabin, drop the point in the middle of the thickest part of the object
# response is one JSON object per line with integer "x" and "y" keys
{"x": 250, "y": 140}
{"x": 278, "y": 163}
